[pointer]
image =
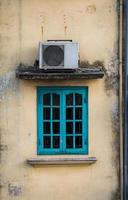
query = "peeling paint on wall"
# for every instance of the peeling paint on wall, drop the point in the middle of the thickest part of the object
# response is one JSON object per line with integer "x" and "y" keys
{"x": 112, "y": 75}
{"x": 115, "y": 118}
{"x": 8, "y": 82}
{"x": 14, "y": 190}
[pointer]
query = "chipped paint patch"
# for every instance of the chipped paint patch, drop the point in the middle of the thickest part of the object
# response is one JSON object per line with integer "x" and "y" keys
{"x": 7, "y": 82}
{"x": 14, "y": 190}
{"x": 115, "y": 118}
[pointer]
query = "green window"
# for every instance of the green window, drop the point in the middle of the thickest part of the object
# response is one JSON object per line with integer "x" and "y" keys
{"x": 62, "y": 119}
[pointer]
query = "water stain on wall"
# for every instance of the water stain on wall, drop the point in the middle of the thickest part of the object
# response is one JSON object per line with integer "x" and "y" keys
{"x": 90, "y": 9}
{"x": 112, "y": 76}
{"x": 85, "y": 63}
{"x": 115, "y": 195}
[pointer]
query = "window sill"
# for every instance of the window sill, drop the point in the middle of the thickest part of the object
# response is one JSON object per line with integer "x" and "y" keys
{"x": 61, "y": 161}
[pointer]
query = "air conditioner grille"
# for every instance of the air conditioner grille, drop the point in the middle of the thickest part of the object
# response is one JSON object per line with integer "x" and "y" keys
{"x": 53, "y": 55}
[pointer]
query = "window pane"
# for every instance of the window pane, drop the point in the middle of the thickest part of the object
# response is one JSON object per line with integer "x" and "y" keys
{"x": 78, "y": 127}
{"x": 78, "y": 99}
{"x": 46, "y": 99}
{"x": 69, "y": 142}
{"x": 56, "y": 142}
{"x": 78, "y": 141}
{"x": 69, "y": 128}
{"x": 46, "y": 113}
{"x": 56, "y": 99}
{"x": 46, "y": 127}
{"x": 78, "y": 113}
{"x": 47, "y": 141}
{"x": 69, "y": 99}
{"x": 55, "y": 113}
{"x": 69, "y": 113}
{"x": 56, "y": 127}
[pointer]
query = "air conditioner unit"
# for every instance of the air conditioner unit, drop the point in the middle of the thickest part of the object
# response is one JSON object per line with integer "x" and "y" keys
{"x": 58, "y": 55}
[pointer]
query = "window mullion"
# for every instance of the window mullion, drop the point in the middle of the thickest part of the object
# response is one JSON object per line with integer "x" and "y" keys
{"x": 74, "y": 109}
{"x": 51, "y": 111}
{"x": 61, "y": 141}
{"x": 63, "y": 121}
{"x": 83, "y": 119}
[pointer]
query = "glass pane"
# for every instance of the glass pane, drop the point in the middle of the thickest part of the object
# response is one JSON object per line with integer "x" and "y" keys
{"x": 46, "y": 99}
{"x": 78, "y": 113}
{"x": 56, "y": 127}
{"x": 78, "y": 142}
{"x": 46, "y": 113}
{"x": 69, "y": 142}
{"x": 56, "y": 99}
{"x": 69, "y": 127}
{"x": 69, "y": 113}
{"x": 78, "y": 127}
{"x": 55, "y": 113}
{"x": 69, "y": 99}
{"x": 78, "y": 99}
{"x": 46, "y": 127}
{"x": 56, "y": 142}
{"x": 47, "y": 141}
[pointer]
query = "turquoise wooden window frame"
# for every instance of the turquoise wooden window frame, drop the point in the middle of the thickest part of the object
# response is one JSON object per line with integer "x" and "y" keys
{"x": 62, "y": 92}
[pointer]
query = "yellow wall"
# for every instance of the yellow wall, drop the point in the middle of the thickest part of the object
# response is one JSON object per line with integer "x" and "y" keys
{"x": 92, "y": 23}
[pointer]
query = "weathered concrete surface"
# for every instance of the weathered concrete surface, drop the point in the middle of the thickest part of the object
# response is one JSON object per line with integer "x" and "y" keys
{"x": 34, "y": 73}
{"x": 93, "y": 24}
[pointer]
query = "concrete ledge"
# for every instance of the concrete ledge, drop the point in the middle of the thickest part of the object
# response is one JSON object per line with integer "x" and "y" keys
{"x": 31, "y": 73}
{"x": 61, "y": 161}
